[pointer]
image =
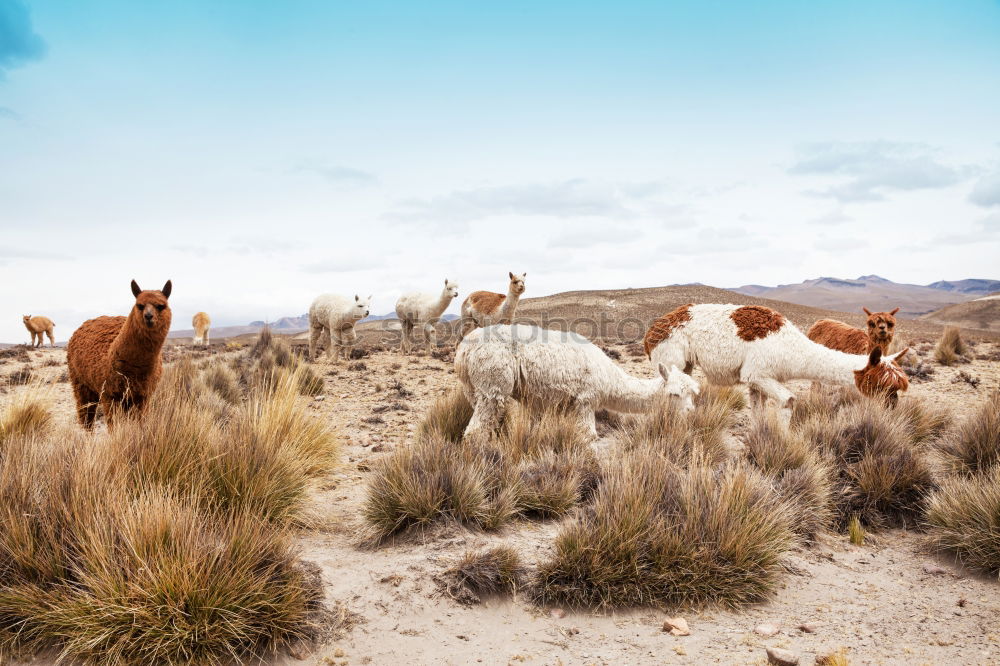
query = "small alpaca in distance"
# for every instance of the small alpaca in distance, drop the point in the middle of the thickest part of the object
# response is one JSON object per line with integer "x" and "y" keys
{"x": 201, "y": 323}
{"x": 844, "y": 337}
{"x": 757, "y": 346}
{"x": 423, "y": 310}
{"x": 115, "y": 361}
{"x": 527, "y": 363}
{"x": 485, "y": 308}
{"x": 39, "y": 326}
{"x": 331, "y": 322}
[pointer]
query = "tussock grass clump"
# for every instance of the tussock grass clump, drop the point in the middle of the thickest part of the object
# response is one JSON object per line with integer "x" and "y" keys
{"x": 539, "y": 465}
{"x": 729, "y": 396}
{"x": 950, "y": 348}
{"x": 926, "y": 422}
{"x": 660, "y": 534}
{"x": 800, "y": 475}
{"x": 28, "y": 414}
{"x": 974, "y": 445}
{"x": 446, "y": 418}
{"x": 20, "y": 376}
{"x": 880, "y": 474}
{"x": 823, "y": 404}
{"x": 164, "y": 540}
{"x": 855, "y": 532}
{"x": 495, "y": 571}
{"x": 964, "y": 514}
{"x": 697, "y": 436}
{"x": 222, "y": 379}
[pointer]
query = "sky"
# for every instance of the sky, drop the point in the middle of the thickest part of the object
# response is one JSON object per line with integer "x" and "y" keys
{"x": 260, "y": 153}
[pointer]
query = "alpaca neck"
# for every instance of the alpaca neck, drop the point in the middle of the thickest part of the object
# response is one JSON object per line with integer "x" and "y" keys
{"x": 509, "y": 304}
{"x": 804, "y": 359}
{"x": 137, "y": 344}
{"x": 442, "y": 303}
{"x": 631, "y": 395}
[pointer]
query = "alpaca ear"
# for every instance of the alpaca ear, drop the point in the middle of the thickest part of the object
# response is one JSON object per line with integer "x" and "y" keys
{"x": 135, "y": 289}
{"x": 663, "y": 371}
{"x": 898, "y": 355}
{"x": 370, "y": 297}
{"x": 356, "y": 297}
{"x": 511, "y": 274}
{"x": 875, "y": 356}
{"x": 867, "y": 311}
{"x": 446, "y": 282}
{"x": 894, "y": 311}
{"x": 167, "y": 288}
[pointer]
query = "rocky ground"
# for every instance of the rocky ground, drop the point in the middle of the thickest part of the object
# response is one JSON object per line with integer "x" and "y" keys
{"x": 886, "y": 602}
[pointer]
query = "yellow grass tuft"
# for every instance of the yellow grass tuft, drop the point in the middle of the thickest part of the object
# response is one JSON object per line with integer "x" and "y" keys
{"x": 964, "y": 515}
{"x": 950, "y": 348}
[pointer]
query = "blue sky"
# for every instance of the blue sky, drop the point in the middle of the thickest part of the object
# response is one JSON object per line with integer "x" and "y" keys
{"x": 261, "y": 153}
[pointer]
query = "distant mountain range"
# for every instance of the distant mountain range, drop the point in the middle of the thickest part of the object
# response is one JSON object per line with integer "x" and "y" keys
{"x": 875, "y": 293}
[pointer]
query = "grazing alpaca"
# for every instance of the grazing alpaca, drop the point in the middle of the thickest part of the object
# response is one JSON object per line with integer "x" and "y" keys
{"x": 201, "y": 323}
{"x": 844, "y": 337}
{"x": 485, "y": 308}
{"x": 39, "y": 326}
{"x": 757, "y": 346}
{"x": 425, "y": 310}
{"x": 116, "y": 360}
{"x": 331, "y": 322}
{"x": 528, "y": 363}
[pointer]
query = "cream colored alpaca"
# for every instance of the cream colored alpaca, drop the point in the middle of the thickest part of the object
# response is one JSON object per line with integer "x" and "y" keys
{"x": 331, "y": 321}
{"x": 201, "y": 323}
{"x": 527, "y": 363}
{"x": 423, "y": 310}
{"x": 38, "y": 326}
{"x": 485, "y": 308}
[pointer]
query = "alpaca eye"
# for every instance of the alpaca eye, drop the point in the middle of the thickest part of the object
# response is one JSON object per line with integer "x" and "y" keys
{"x": 159, "y": 308}
{"x": 890, "y": 324}
{"x": 140, "y": 306}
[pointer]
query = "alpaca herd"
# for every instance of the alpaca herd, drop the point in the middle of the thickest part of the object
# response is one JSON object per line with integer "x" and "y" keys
{"x": 115, "y": 362}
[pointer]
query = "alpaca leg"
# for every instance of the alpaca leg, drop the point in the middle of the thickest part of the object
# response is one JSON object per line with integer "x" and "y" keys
{"x": 207, "y": 343}
{"x": 468, "y": 325}
{"x": 587, "y": 418}
{"x": 333, "y": 349}
{"x": 405, "y": 342}
{"x": 86, "y": 405}
{"x": 772, "y": 388}
{"x": 34, "y": 336}
{"x": 429, "y": 337}
{"x": 315, "y": 333}
{"x": 487, "y": 415}
{"x": 52, "y": 338}
{"x": 348, "y": 339}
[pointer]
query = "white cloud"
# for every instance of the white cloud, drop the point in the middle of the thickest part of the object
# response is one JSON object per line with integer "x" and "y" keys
{"x": 986, "y": 191}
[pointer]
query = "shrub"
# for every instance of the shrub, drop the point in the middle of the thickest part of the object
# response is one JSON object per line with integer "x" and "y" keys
{"x": 926, "y": 422}
{"x": 222, "y": 379}
{"x": 964, "y": 515}
{"x": 799, "y": 473}
{"x": 494, "y": 571}
{"x": 28, "y": 414}
{"x": 974, "y": 445}
{"x": 950, "y": 348}
{"x": 880, "y": 475}
{"x": 823, "y": 404}
{"x": 447, "y": 418}
{"x": 660, "y": 534}
{"x": 697, "y": 436}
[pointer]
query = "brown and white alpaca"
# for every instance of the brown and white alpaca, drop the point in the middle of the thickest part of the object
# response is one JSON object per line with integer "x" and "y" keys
{"x": 757, "y": 346}
{"x": 844, "y": 337}
{"x": 115, "y": 361}
{"x": 485, "y": 308}
{"x": 39, "y": 326}
{"x": 201, "y": 323}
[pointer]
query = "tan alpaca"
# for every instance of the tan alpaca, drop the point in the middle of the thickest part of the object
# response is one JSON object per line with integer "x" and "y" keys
{"x": 201, "y": 323}
{"x": 485, "y": 308}
{"x": 38, "y": 326}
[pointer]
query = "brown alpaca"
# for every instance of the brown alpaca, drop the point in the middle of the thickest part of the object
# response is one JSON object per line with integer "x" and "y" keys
{"x": 115, "y": 361}
{"x": 39, "y": 326}
{"x": 201, "y": 324}
{"x": 843, "y": 337}
{"x": 485, "y": 308}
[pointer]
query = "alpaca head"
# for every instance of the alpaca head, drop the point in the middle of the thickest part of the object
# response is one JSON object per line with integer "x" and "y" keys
{"x": 151, "y": 307}
{"x": 881, "y": 377}
{"x": 450, "y": 288}
{"x": 679, "y": 385}
{"x": 881, "y": 325}
{"x": 361, "y": 308}
{"x": 27, "y": 318}
{"x": 517, "y": 283}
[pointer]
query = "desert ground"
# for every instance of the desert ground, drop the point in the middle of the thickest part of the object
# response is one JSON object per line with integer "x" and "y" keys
{"x": 889, "y": 601}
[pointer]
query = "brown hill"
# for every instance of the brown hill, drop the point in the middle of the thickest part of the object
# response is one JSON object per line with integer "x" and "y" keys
{"x": 982, "y": 313}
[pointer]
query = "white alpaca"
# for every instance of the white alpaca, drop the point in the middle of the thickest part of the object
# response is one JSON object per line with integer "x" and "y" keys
{"x": 485, "y": 308}
{"x": 331, "y": 322}
{"x": 757, "y": 346}
{"x": 201, "y": 323}
{"x": 423, "y": 310}
{"x": 527, "y": 363}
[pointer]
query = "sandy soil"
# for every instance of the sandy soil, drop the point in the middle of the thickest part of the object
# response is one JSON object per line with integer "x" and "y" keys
{"x": 876, "y": 601}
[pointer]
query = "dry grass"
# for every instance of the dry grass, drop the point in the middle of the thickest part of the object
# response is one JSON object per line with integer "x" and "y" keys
{"x": 446, "y": 418}
{"x": 27, "y": 415}
{"x": 660, "y": 534}
{"x": 800, "y": 475}
{"x": 926, "y": 422}
{"x": 950, "y": 348}
{"x": 697, "y": 436}
{"x": 490, "y": 572}
{"x": 538, "y": 465}
{"x": 855, "y": 531}
{"x": 964, "y": 515}
{"x": 881, "y": 475}
{"x": 166, "y": 540}
{"x": 974, "y": 445}
{"x": 823, "y": 403}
